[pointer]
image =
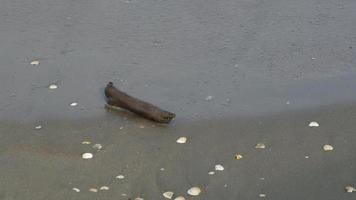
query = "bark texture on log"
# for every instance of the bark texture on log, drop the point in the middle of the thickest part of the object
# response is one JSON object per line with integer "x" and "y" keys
{"x": 120, "y": 99}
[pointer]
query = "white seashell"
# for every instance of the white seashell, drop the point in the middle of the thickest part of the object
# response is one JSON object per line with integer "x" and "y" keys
{"x": 313, "y": 124}
{"x": 52, "y": 87}
{"x": 211, "y": 173}
{"x": 168, "y": 195}
{"x": 262, "y": 195}
{"x": 87, "y": 156}
{"x": 260, "y": 146}
{"x": 238, "y": 156}
{"x": 93, "y": 190}
{"x": 35, "y": 62}
{"x": 350, "y": 189}
{"x": 179, "y": 198}
{"x": 73, "y": 104}
{"x": 209, "y": 98}
{"x": 76, "y": 189}
{"x": 219, "y": 168}
{"x": 86, "y": 142}
{"x": 328, "y": 147}
{"x": 120, "y": 176}
{"x": 104, "y": 188}
{"x": 98, "y": 146}
{"x": 162, "y": 169}
{"x": 194, "y": 191}
{"x": 182, "y": 140}
{"x": 38, "y": 127}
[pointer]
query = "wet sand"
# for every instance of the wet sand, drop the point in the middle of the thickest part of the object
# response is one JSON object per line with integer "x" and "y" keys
{"x": 235, "y": 72}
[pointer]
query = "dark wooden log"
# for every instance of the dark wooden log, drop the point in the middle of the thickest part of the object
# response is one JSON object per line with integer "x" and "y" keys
{"x": 120, "y": 99}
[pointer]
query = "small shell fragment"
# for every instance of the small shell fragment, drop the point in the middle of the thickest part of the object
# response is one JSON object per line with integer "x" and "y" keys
{"x": 211, "y": 173}
{"x": 238, "y": 156}
{"x": 208, "y": 98}
{"x": 262, "y": 195}
{"x": 219, "y": 167}
{"x": 313, "y": 124}
{"x": 93, "y": 190}
{"x": 76, "y": 189}
{"x": 260, "y": 146}
{"x": 181, "y": 140}
{"x": 38, "y": 127}
{"x": 194, "y": 191}
{"x": 73, "y": 104}
{"x": 52, "y": 87}
{"x": 120, "y": 176}
{"x": 86, "y": 142}
{"x": 328, "y": 147}
{"x": 98, "y": 146}
{"x": 179, "y": 198}
{"x": 168, "y": 194}
{"x": 35, "y": 62}
{"x": 104, "y": 188}
{"x": 87, "y": 156}
{"x": 350, "y": 189}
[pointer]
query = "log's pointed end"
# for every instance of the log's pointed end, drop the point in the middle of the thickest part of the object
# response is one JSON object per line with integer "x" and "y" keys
{"x": 166, "y": 117}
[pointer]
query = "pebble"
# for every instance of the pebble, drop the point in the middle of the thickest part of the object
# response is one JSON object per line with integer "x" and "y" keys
{"x": 52, "y": 87}
{"x": 73, "y": 104}
{"x": 350, "y": 189}
{"x": 179, "y": 198}
{"x": 168, "y": 194}
{"x": 98, "y": 146}
{"x": 238, "y": 156}
{"x": 87, "y": 156}
{"x": 38, "y": 127}
{"x": 211, "y": 173}
{"x": 104, "y": 188}
{"x": 93, "y": 190}
{"x": 328, "y": 147}
{"x": 313, "y": 124}
{"x": 209, "y": 98}
{"x": 76, "y": 189}
{"x": 35, "y": 62}
{"x": 194, "y": 191}
{"x": 260, "y": 146}
{"x": 120, "y": 176}
{"x": 182, "y": 140}
{"x": 219, "y": 167}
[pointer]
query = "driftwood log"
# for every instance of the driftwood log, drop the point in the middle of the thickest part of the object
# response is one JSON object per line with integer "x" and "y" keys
{"x": 116, "y": 98}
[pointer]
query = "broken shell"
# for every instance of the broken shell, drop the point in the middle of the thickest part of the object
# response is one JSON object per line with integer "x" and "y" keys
{"x": 238, "y": 156}
{"x": 76, "y": 189}
{"x": 104, "y": 188}
{"x": 120, "y": 176}
{"x": 182, "y": 140}
{"x": 52, "y": 87}
{"x": 328, "y": 147}
{"x": 168, "y": 195}
{"x": 219, "y": 168}
{"x": 87, "y": 156}
{"x": 260, "y": 146}
{"x": 350, "y": 189}
{"x": 35, "y": 62}
{"x": 93, "y": 190}
{"x": 211, "y": 173}
{"x": 262, "y": 195}
{"x": 73, "y": 104}
{"x": 38, "y": 127}
{"x": 179, "y": 198}
{"x": 208, "y": 98}
{"x": 98, "y": 146}
{"x": 194, "y": 191}
{"x": 313, "y": 124}
{"x": 86, "y": 142}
